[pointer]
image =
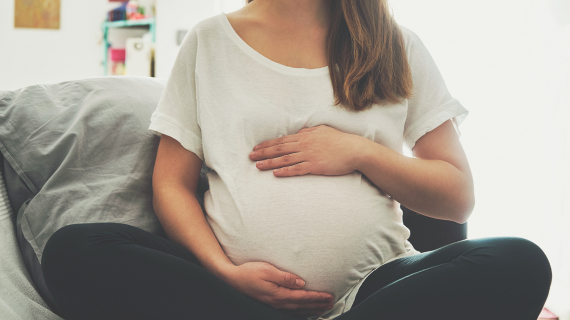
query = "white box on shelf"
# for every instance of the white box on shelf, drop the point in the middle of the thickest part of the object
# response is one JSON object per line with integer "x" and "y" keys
{"x": 138, "y": 58}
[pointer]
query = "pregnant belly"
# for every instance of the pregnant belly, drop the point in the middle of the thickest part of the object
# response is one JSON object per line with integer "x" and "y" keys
{"x": 330, "y": 231}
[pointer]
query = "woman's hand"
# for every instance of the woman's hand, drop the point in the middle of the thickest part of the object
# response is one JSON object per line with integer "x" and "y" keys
{"x": 317, "y": 150}
{"x": 281, "y": 290}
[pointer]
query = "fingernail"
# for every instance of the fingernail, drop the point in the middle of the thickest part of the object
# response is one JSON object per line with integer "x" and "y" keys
{"x": 300, "y": 283}
{"x": 253, "y": 154}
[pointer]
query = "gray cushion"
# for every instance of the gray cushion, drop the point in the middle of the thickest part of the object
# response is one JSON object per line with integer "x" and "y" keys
{"x": 78, "y": 152}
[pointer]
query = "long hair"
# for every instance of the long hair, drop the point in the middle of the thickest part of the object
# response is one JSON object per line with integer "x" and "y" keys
{"x": 367, "y": 57}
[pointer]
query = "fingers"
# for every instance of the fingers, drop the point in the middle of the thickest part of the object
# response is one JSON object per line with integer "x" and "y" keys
{"x": 304, "y": 297}
{"x": 289, "y": 285}
{"x": 286, "y": 160}
{"x": 298, "y": 169}
{"x": 288, "y": 296}
{"x": 289, "y": 292}
{"x": 300, "y": 301}
{"x": 284, "y": 279}
{"x": 303, "y": 305}
{"x": 286, "y": 139}
{"x": 280, "y": 140}
{"x": 274, "y": 151}
{"x": 290, "y": 164}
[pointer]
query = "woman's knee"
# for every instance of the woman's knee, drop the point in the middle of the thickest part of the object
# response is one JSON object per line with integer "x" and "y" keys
{"x": 71, "y": 247}
{"x": 62, "y": 247}
{"x": 522, "y": 251}
{"x": 522, "y": 258}
{"x": 64, "y": 240}
{"x": 59, "y": 258}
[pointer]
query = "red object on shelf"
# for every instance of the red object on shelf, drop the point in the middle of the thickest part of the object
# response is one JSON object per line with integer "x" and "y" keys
{"x": 116, "y": 54}
{"x": 136, "y": 16}
{"x": 547, "y": 315}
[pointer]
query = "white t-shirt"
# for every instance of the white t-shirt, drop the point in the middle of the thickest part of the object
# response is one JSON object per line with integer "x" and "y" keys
{"x": 223, "y": 98}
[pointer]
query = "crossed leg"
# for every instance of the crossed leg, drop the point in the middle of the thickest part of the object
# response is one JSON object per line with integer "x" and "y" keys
{"x": 116, "y": 271}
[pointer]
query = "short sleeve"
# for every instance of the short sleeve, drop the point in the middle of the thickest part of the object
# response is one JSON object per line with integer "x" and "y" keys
{"x": 177, "y": 112}
{"x": 431, "y": 103}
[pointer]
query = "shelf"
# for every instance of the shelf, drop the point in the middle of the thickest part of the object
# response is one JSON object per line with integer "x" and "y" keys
{"x": 150, "y": 22}
{"x": 128, "y": 23}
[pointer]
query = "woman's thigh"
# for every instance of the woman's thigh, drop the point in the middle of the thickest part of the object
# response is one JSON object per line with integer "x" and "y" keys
{"x": 490, "y": 278}
{"x": 116, "y": 271}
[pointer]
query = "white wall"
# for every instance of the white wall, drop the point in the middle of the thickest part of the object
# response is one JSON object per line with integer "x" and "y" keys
{"x": 174, "y": 15}
{"x": 75, "y": 51}
{"x": 171, "y": 16}
{"x": 31, "y": 56}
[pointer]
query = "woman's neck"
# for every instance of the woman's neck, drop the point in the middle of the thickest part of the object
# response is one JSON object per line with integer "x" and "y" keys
{"x": 290, "y": 32}
{"x": 295, "y": 13}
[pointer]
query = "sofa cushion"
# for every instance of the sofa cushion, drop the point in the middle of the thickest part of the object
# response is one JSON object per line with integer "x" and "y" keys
{"x": 78, "y": 152}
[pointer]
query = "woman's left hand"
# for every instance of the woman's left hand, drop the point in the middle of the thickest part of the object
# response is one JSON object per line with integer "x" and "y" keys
{"x": 317, "y": 150}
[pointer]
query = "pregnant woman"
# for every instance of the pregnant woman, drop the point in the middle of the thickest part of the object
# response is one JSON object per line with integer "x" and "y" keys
{"x": 301, "y": 109}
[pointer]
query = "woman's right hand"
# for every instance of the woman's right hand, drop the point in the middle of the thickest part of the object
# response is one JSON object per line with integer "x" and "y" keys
{"x": 279, "y": 289}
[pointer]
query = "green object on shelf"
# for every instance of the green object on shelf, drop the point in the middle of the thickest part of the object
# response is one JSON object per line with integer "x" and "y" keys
{"x": 150, "y": 22}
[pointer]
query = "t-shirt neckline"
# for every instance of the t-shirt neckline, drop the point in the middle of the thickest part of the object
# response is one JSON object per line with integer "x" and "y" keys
{"x": 264, "y": 60}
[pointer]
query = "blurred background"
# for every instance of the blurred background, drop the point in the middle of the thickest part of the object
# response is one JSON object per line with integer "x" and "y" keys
{"x": 507, "y": 61}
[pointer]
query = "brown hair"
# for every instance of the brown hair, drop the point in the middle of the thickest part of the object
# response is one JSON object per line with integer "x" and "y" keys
{"x": 366, "y": 47}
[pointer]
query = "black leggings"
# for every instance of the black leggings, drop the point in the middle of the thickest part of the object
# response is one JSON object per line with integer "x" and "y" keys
{"x": 116, "y": 271}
